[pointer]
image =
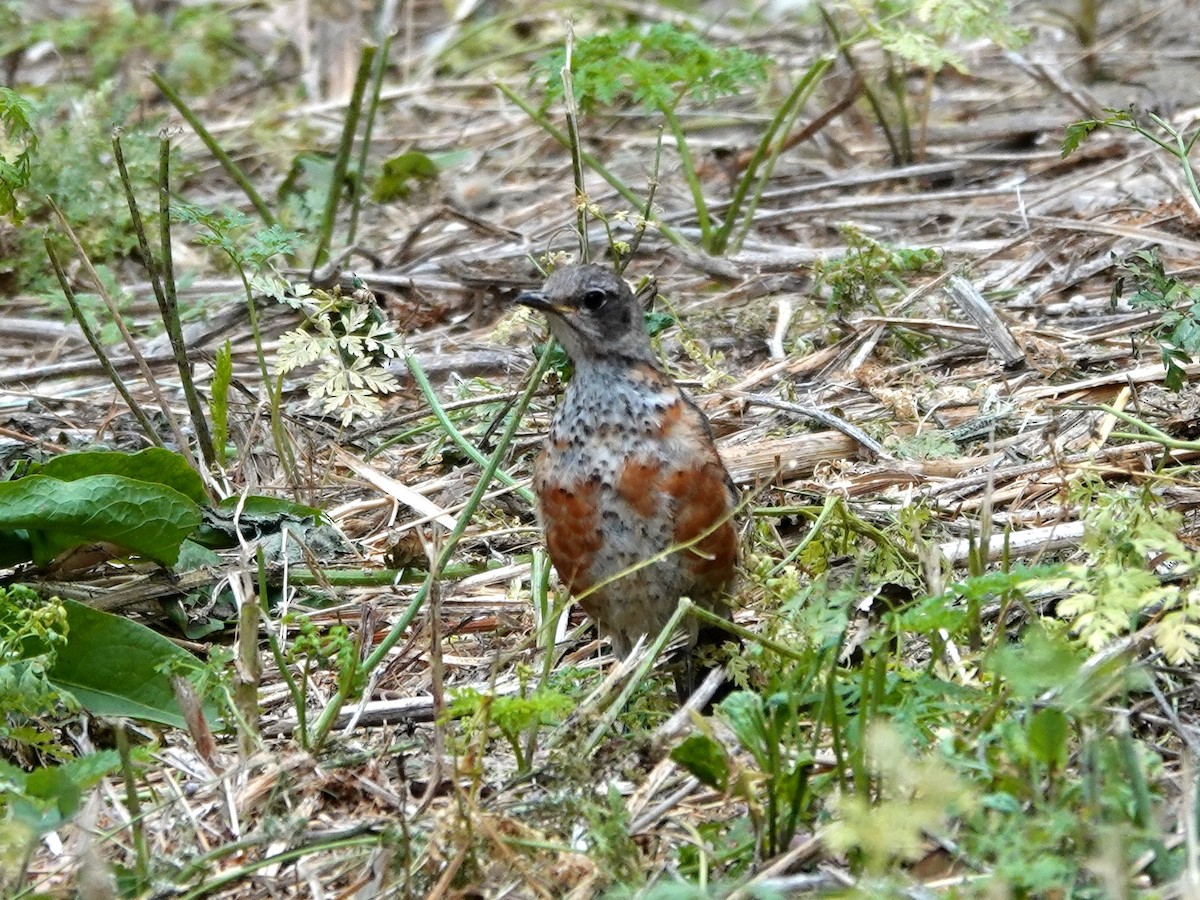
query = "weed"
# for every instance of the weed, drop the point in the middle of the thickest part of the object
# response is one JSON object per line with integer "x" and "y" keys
{"x": 30, "y": 632}
{"x": 659, "y": 68}
{"x": 856, "y": 278}
{"x": 1177, "y": 332}
{"x": 70, "y": 160}
{"x": 913, "y": 35}
{"x": 253, "y": 256}
{"x": 352, "y": 340}
{"x": 517, "y": 717}
{"x": 334, "y": 649}
{"x": 612, "y": 846}
{"x": 17, "y": 114}
{"x": 1128, "y": 535}
{"x": 1175, "y": 142}
{"x": 774, "y": 734}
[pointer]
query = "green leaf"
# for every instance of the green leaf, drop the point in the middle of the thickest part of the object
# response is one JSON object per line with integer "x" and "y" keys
{"x": 149, "y": 520}
{"x": 1047, "y": 735}
{"x": 43, "y": 798}
{"x": 1041, "y": 662}
{"x": 153, "y": 466}
{"x": 17, "y": 116}
{"x": 744, "y": 712}
{"x": 117, "y": 667}
{"x": 705, "y": 758}
{"x": 658, "y": 322}
{"x": 1077, "y": 133}
{"x": 401, "y": 174}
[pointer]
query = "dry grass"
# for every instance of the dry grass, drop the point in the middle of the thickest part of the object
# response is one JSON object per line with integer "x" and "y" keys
{"x": 398, "y": 805}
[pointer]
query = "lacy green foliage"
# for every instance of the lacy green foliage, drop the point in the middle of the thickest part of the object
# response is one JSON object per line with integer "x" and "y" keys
{"x": 657, "y": 68}
{"x": 333, "y": 649}
{"x": 868, "y": 266}
{"x": 612, "y": 844}
{"x": 31, "y": 630}
{"x": 513, "y": 715}
{"x": 252, "y": 252}
{"x": 1115, "y": 588}
{"x": 1177, "y": 305}
{"x": 352, "y": 341}
{"x": 653, "y": 67}
{"x": 919, "y": 30}
{"x": 914, "y": 34}
{"x": 18, "y": 116}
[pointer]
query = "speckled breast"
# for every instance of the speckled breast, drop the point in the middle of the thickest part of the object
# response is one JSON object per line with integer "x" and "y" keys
{"x": 630, "y": 472}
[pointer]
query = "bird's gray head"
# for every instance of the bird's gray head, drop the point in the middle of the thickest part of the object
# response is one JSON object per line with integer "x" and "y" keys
{"x": 593, "y": 313}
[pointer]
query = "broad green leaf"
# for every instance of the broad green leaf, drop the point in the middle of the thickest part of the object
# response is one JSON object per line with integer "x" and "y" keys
{"x": 153, "y": 466}
{"x": 116, "y": 667}
{"x": 149, "y": 520}
{"x": 705, "y": 758}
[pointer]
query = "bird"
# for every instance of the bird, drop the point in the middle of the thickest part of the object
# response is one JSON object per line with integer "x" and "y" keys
{"x": 636, "y": 506}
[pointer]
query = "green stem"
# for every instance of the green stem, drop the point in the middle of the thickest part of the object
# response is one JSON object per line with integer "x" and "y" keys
{"x": 435, "y": 405}
{"x": 329, "y": 715}
{"x": 1151, "y": 433}
{"x": 592, "y": 163}
{"x": 711, "y": 618}
{"x": 649, "y": 657}
{"x": 281, "y": 663}
{"x": 377, "y": 73}
{"x": 133, "y": 804}
{"x": 338, "y": 179}
{"x": 575, "y": 147}
{"x": 231, "y": 168}
{"x": 831, "y": 503}
{"x": 693, "y": 180}
{"x": 771, "y": 149}
{"x": 169, "y": 305}
{"x": 843, "y": 48}
{"x": 94, "y": 342}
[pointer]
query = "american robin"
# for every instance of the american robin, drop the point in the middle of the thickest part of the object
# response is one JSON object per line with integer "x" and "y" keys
{"x": 634, "y": 500}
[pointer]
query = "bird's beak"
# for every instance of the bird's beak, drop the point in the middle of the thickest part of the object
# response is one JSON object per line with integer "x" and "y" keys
{"x": 538, "y": 300}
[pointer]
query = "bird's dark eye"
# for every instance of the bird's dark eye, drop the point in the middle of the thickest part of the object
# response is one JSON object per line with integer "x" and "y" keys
{"x": 593, "y": 299}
